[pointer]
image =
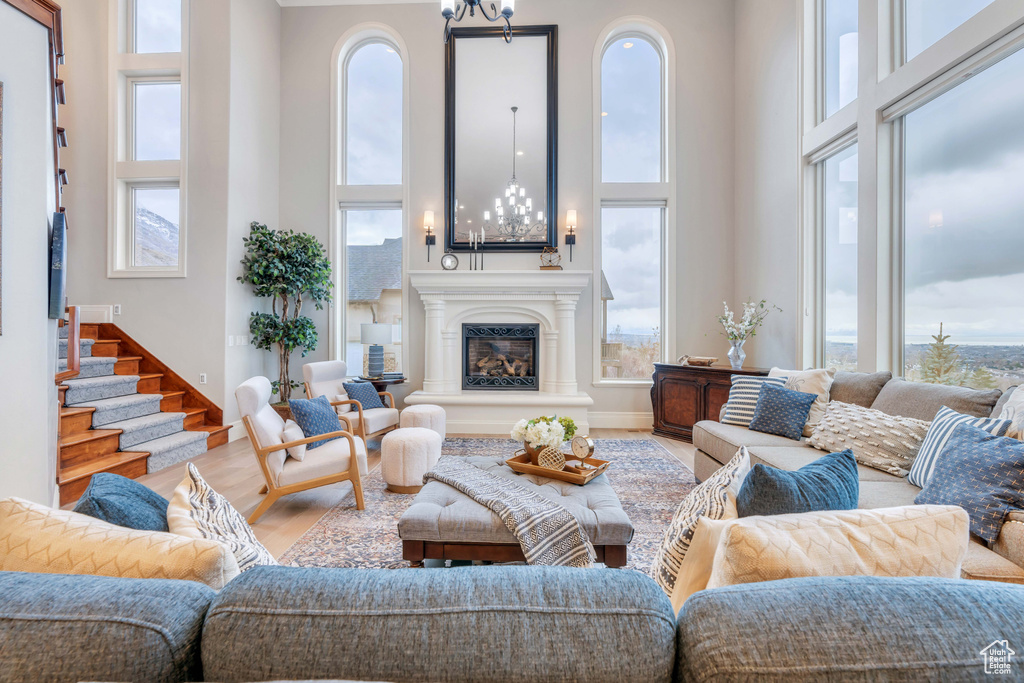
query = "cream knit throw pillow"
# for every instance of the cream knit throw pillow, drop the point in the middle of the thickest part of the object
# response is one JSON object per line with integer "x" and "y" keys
{"x": 885, "y": 442}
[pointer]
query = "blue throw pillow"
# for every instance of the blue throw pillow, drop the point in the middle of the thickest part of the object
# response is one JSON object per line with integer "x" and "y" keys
{"x": 743, "y": 393}
{"x": 942, "y": 427}
{"x": 828, "y": 483}
{"x": 315, "y": 416}
{"x": 123, "y": 502}
{"x": 782, "y": 411}
{"x": 980, "y": 472}
{"x": 365, "y": 393}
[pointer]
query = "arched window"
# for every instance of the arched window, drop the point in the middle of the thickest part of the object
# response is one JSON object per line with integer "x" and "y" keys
{"x": 634, "y": 211}
{"x": 369, "y": 198}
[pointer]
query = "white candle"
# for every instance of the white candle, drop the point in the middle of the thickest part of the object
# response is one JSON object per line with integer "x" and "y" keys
{"x": 483, "y": 237}
{"x": 487, "y": 215}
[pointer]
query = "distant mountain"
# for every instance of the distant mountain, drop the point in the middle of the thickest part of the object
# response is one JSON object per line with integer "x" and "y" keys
{"x": 156, "y": 239}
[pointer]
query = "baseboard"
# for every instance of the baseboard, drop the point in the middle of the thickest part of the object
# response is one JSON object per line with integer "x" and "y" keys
{"x": 237, "y": 431}
{"x": 615, "y": 420}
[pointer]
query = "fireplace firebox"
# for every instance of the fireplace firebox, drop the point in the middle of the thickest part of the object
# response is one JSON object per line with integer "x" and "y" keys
{"x": 500, "y": 357}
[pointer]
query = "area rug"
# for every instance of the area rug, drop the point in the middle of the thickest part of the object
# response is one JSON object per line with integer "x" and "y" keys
{"x": 649, "y": 481}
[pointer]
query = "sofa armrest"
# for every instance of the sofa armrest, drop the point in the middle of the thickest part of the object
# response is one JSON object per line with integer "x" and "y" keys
{"x": 1010, "y": 543}
{"x": 721, "y": 414}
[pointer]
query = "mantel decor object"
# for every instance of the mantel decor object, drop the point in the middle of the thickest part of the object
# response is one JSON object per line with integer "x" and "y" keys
{"x": 550, "y": 259}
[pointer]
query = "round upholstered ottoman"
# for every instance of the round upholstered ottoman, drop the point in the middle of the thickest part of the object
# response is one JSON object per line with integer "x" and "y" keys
{"x": 431, "y": 417}
{"x": 406, "y": 455}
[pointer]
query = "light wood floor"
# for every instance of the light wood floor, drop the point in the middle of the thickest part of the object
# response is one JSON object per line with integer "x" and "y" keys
{"x": 232, "y": 471}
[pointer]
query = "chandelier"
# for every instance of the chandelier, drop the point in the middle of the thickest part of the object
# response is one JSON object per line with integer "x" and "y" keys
{"x": 514, "y": 213}
{"x": 456, "y": 9}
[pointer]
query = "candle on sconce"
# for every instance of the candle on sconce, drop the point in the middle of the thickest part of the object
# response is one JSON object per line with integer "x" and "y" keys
{"x": 487, "y": 215}
{"x": 483, "y": 236}
{"x": 540, "y": 216}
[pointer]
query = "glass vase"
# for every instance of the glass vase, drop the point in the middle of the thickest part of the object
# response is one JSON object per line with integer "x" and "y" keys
{"x": 736, "y": 355}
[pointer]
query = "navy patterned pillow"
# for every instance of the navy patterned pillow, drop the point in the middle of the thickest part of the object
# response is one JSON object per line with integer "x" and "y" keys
{"x": 782, "y": 411}
{"x": 365, "y": 393}
{"x": 315, "y": 416}
{"x": 980, "y": 472}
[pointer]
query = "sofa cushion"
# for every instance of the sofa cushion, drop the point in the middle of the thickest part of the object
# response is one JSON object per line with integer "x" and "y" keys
{"x": 905, "y": 629}
{"x": 1010, "y": 543}
{"x": 782, "y": 411}
{"x": 828, "y": 483}
{"x": 124, "y": 502}
{"x": 1011, "y": 407}
{"x": 721, "y": 441}
{"x": 886, "y": 494}
{"x": 997, "y": 411}
{"x": 795, "y": 457}
{"x": 507, "y": 623}
{"x": 55, "y": 627}
{"x": 858, "y": 388}
{"x": 985, "y": 565}
{"x": 939, "y": 433}
{"x": 35, "y": 538}
{"x": 886, "y": 442}
{"x": 914, "y": 540}
{"x": 983, "y": 474}
{"x": 922, "y": 401}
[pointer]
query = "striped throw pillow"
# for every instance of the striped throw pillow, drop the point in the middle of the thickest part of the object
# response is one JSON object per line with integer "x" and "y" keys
{"x": 743, "y": 395}
{"x": 938, "y": 434}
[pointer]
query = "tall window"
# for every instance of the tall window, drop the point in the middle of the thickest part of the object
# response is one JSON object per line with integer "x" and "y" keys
{"x": 964, "y": 199}
{"x": 370, "y": 193}
{"x": 840, "y": 47}
{"x": 926, "y": 21}
{"x": 634, "y": 198}
{"x": 840, "y": 244}
{"x": 147, "y": 236}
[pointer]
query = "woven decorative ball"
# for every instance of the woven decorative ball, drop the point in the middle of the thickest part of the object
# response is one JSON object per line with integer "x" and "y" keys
{"x": 551, "y": 458}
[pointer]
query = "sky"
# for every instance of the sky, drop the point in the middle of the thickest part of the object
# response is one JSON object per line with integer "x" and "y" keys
{"x": 374, "y": 116}
{"x": 158, "y": 25}
{"x": 157, "y": 121}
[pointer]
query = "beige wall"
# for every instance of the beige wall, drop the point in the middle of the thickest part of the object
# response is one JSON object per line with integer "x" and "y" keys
{"x": 768, "y": 172}
{"x": 28, "y": 342}
{"x": 702, "y": 31}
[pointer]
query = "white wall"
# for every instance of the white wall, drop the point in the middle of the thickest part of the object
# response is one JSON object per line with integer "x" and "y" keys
{"x": 768, "y": 172}
{"x": 702, "y": 31}
{"x": 28, "y": 344}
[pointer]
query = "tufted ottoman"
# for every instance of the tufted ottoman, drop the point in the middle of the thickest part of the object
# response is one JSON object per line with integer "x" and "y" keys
{"x": 424, "y": 415}
{"x": 445, "y": 524}
{"x": 406, "y": 455}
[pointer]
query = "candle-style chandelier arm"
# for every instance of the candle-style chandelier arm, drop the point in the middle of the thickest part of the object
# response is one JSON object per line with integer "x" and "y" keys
{"x": 460, "y": 11}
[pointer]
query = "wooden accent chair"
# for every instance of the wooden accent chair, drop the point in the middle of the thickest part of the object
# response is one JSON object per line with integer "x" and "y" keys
{"x": 326, "y": 378}
{"x": 327, "y": 464}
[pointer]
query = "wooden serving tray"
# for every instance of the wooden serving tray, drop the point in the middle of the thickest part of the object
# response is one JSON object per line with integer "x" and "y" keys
{"x": 521, "y": 464}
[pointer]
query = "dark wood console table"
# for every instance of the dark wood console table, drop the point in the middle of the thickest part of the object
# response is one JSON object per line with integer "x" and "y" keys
{"x": 683, "y": 395}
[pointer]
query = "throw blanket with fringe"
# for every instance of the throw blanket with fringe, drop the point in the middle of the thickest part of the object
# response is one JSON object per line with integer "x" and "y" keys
{"x": 547, "y": 532}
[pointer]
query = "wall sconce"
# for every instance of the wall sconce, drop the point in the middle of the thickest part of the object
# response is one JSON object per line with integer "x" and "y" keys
{"x": 428, "y": 225}
{"x": 570, "y": 223}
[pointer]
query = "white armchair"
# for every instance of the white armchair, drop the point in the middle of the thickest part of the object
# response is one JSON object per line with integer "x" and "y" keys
{"x": 327, "y": 464}
{"x": 327, "y": 378}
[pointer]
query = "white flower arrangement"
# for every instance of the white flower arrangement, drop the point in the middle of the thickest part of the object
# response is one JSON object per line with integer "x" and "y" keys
{"x": 753, "y": 317}
{"x": 541, "y": 432}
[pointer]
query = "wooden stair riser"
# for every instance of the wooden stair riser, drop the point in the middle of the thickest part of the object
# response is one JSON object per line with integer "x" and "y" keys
{"x": 194, "y": 419}
{"x": 127, "y": 366}
{"x": 149, "y": 384}
{"x": 73, "y": 490}
{"x": 89, "y": 330}
{"x": 75, "y": 422}
{"x": 106, "y": 348}
{"x": 61, "y": 393}
{"x": 171, "y": 402}
{"x": 217, "y": 438}
{"x": 89, "y": 450}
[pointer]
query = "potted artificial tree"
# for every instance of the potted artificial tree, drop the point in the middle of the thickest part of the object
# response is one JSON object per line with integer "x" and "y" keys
{"x": 290, "y": 268}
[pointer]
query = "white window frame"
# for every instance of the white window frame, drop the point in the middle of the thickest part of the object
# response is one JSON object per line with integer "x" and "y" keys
{"x": 124, "y": 172}
{"x": 345, "y": 197}
{"x": 888, "y": 89}
{"x": 628, "y": 195}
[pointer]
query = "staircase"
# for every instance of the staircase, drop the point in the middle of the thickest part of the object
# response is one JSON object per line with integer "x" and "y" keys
{"x": 126, "y": 412}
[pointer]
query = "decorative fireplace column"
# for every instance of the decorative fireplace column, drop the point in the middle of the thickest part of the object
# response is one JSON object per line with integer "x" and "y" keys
{"x": 433, "y": 370}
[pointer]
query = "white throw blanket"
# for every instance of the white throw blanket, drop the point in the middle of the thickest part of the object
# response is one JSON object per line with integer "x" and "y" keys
{"x": 548, "y": 533}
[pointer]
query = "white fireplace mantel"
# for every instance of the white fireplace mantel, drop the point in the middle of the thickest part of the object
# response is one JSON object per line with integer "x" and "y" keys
{"x": 545, "y": 298}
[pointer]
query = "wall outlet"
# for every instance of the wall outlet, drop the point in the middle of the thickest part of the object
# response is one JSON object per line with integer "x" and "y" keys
{"x": 117, "y": 309}
{"x": 202, "y": 378}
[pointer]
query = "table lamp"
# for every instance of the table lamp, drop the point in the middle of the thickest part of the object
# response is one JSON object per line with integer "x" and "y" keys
{"x": 376, "y": 335}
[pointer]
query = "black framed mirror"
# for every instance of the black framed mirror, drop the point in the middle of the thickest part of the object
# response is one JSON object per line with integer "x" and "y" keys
{"x": 501, "y": 139}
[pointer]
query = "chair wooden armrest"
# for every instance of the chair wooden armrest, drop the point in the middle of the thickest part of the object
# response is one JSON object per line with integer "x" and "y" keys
{"x": 387, "y": 394}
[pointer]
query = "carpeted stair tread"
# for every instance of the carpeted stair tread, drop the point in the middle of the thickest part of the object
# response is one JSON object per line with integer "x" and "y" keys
{"x": 63, "y": 331}
{"x": 91, "y": 366}
{"x": 139, "y": 430}
{"x": 96, "y": 388}
{"x": 110, "y": 410}
{"x": 170, "y": 450}
{"x": 84, "y": 348}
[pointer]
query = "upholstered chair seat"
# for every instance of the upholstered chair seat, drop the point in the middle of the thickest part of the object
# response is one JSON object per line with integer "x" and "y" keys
{"x": 329, "y": 463}
{"x": 327, "y": 378}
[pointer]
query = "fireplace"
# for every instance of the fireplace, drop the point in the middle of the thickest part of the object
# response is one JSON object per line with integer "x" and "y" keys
{"x": 500, "y": 357}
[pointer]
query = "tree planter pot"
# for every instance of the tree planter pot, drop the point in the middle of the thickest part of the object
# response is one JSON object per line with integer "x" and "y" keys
{"x": 283, "y": 410}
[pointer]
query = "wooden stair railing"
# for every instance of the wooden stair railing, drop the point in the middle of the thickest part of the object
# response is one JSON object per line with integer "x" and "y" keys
{"x": 74, "y": 345}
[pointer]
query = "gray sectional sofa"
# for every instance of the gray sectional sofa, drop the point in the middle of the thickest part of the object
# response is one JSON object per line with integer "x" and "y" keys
{"x": 500, "y": 623}
{"x": 716, "y": 443}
